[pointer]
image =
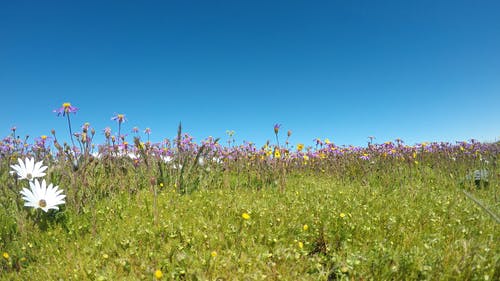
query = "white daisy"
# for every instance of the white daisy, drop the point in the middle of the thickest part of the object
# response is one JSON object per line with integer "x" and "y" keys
{"x": 28, "y": 169}
{"x": 43, "y": 196}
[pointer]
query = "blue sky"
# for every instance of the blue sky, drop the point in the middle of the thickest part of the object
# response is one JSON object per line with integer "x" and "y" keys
{"x": 343, "y": 70}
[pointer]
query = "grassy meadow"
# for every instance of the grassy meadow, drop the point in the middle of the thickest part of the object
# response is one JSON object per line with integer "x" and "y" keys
{"x": 181, "y": 210}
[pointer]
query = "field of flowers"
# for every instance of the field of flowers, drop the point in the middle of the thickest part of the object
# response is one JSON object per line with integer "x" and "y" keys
{"x": 131, "y": 209}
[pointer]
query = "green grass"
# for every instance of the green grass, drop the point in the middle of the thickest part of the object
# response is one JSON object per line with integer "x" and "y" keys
{"x": 416, "y": 225}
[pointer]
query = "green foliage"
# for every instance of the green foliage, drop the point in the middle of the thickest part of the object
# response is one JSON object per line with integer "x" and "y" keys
{"x": 329, "y": 219}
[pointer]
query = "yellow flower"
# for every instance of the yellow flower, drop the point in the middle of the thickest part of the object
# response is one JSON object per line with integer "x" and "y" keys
{"x": 213, "y": 254}
{"x": 5, "y": 255}
{"x": 301, "y": 245}
{"x": 342, "y": 215}
{"x": 305, "y": 157}
{"x": 158, "y": 274}
{"x": 161, "y": 184}
{"x": 305, "y": 227}
{"x": 300, "y": 146}
{"x": 277, "y": 153}
{"x": 327, "y": 141}
{"x": 245, "y": 216}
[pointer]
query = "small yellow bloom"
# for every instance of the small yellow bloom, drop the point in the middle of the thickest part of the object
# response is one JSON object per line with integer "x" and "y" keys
{"x": 161, "y": 184}
{"x": 66, "y": 105}
{"x": 105, "y": 256}
{"x": 305, "y": 227}
{"x": 305, "y": 157}
{"x": 158, "y": 274}
{"x": 327, "y": 141}
{"x": 301, "y": 245}
{"x": 300, "y": 146}
{"x": 5, "y": 255}
{"x": 342, "y": 215}
{"x": 245, "y": 216}
{"x": 213, "y": 254}
{"x": 277, "y": 153}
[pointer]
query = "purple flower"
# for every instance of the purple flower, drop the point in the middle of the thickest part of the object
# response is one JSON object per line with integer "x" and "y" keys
{"x": 147, "y": 131}
{"x": 120, "y": 118}
{"x": 65, "y": 109}
{"x": 277, "y": 128}
{"x": 107, "y": 131}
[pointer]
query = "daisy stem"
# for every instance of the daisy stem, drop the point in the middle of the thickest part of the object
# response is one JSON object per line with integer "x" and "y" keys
{"x": 71, "y": 133}
{"x": 119, "y": 130}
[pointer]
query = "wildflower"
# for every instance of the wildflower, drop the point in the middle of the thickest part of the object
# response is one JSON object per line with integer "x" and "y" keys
{"x": 305, "y": 227}
{"x": 365, "y": 156}
{"x": 5, "y": 255}
{"x": 300, "y": 147}
{"x": 29, "y": 169}
{"x": 120, "y": 118}
{"x": 107, "y": 132}
{"x": 43, "y": 196}
{"x": 277, "y": 128}
{"x": 277, "y": 153}
{"x": 301, "y": 244}
{"x": 213, "y": 254}
{"x": 65, "y": 109}
{"x": 342, "y": 215}
{"x": 158, "y": 274}
{"x": 245, "y": 216}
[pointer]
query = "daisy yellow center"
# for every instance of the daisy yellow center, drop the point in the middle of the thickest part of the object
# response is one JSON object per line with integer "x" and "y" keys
{"x": 42, "y": 203}
{"x": 66, "y": 104}
{"x": 44, "y": 137}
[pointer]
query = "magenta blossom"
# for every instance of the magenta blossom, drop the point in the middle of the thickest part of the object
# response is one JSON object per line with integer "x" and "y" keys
{"x": 65, "y": 109}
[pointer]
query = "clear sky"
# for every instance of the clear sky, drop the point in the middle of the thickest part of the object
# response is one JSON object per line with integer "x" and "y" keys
{"x": 422, "y": 70}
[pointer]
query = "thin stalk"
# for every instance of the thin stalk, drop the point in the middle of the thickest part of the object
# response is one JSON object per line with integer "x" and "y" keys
{"x": 493, "y": 215}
